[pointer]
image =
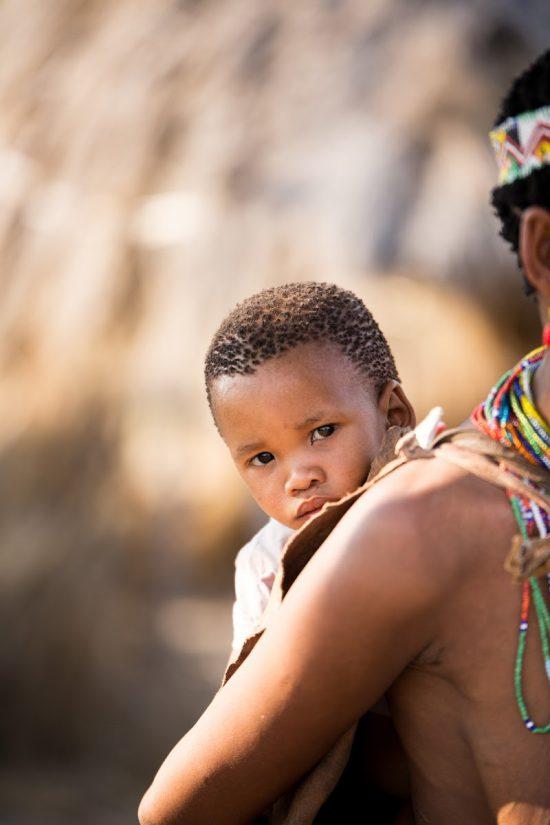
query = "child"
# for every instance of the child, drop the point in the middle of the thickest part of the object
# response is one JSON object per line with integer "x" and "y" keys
{"x": 302, "y": 386}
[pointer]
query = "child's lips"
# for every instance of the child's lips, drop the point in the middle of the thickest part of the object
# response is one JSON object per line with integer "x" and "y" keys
{"x": 311, "y": 506}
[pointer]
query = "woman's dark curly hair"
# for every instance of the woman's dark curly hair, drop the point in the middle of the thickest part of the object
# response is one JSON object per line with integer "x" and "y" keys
{"x": 529, "y": 91}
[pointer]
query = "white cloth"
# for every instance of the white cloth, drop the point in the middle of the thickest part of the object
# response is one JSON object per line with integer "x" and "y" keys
{"x": 255, "y": 568}
{"x": 430, "y": 427}
{"x": 257, "y": 562}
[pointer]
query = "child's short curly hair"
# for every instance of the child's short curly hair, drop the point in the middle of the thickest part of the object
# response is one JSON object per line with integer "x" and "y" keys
{"x": 528, "y": 92}
{"x": 276, "y": 320}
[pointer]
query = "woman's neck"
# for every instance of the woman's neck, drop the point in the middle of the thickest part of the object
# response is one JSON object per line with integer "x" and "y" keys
{"x": 541, "y": 387}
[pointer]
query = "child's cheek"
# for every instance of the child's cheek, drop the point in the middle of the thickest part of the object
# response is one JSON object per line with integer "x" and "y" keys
{"x": 263, "y": 490}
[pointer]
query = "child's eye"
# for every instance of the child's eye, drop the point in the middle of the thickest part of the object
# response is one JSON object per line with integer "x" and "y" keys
{"x": 322, "y": 432}
{"x": 261, "y": 459}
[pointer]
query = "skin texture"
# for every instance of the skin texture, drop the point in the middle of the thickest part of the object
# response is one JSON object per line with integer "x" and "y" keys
{"x": 407, "y": 595}
{"x": 535, "y": 255}
{"x": 314, "y": 420}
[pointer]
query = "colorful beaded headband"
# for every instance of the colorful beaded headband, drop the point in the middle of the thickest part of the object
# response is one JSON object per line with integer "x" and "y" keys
{"x": 522, "y": 144}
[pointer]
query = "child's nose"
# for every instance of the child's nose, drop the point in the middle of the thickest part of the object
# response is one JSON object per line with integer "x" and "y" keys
{"x": 302, "y": 478}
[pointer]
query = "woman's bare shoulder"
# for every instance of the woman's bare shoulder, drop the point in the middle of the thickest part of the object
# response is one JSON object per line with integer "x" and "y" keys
{"x": 438, "y": 512}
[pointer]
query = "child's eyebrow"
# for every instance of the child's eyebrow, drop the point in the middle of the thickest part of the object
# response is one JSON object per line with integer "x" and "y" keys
{"x": 311, "y": 419}
{"x": 248, "y": 448}
{"x": 256, "y": 446}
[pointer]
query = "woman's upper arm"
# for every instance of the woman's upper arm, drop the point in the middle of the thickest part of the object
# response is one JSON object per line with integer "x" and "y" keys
{"x": 358, "y": 613}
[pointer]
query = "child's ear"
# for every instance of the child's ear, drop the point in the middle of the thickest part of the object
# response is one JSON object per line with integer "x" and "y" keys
{"x": 395, "y": 406}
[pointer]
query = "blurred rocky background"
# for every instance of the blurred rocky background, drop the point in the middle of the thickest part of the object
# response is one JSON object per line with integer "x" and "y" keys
{"x": 160, "y": 160}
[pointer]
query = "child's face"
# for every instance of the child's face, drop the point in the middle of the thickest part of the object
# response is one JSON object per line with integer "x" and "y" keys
{"x": 302, "y": 430}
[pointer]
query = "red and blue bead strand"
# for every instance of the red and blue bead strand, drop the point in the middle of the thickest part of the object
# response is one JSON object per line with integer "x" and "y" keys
{"x": 530, "y": 589}
{"x": 509, "y": 416}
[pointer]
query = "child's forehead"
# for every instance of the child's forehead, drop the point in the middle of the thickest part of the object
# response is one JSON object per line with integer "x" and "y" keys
{"x": 302, "y": 358}
{"x": 302, "y": 384}
{"x": 314, "y": 367}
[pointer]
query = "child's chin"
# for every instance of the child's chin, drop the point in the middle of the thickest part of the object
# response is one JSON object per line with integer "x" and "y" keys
{"x": 299, "y": 520}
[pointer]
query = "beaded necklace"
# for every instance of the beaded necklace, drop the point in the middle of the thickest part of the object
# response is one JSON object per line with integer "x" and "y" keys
{"x": 509, "y": 416}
